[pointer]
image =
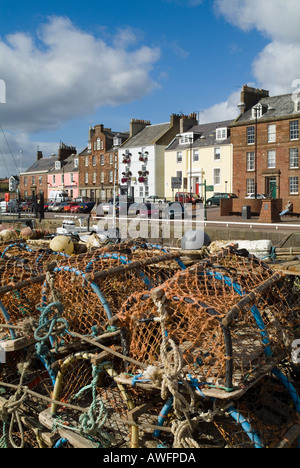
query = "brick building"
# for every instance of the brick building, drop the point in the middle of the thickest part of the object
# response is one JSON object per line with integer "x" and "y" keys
{"x": 98, "y": 163}
{"x": 35, "y": 180}
{"x": 265, "y": 139}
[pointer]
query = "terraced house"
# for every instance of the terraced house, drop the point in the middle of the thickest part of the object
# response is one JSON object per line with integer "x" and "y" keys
{"x": 200, "y": 153}
{"x": 141, "y": 157}
{"x": 266, "y": 146}
{"x": 98, "y": 163}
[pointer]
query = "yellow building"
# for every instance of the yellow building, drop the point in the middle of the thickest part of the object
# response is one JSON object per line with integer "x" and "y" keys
{"x": 204, "y": 152}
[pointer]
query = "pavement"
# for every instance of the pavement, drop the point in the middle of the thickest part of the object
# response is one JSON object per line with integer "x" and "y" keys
{"x": 287, "y": 222}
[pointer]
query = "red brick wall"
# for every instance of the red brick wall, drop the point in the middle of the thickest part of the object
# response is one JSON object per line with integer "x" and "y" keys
{"x": 282, "y": 172}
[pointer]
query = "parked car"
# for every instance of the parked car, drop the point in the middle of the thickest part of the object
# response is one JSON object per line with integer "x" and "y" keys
{"x": 149, "y": 210}
{"x": 188, "y": 197}
{"x": 175, "y": 210}
{"x": 67, "y": 206}
{"x": 81, "y": 199}
{"x": 107, "y": 207}
{"x": 259, "y": 196}
{"x": 215, "y": 199}
{"x": 155, "y": 199}
{"x": 57, "y": 206}
{"x": 75, "y": 208}
{"x": 86, "y": 207}
{"x": 26, "y": 206}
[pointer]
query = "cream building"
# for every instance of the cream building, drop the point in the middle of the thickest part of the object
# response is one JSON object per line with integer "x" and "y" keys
{"x": 203, "y": 153}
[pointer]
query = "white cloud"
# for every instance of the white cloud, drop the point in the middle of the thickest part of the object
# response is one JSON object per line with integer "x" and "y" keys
{"x": 68, "y": 73}
{"x": 18, "y": 152}
{"x": 278, "y": 64}
{"x": 226, "y": 110}
{"x": 278, "y": 19}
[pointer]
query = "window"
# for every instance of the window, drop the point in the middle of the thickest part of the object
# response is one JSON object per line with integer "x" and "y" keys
{"x": 40, "y": 180}
{"x": 111, "y": 177}
{"x": 141, "y": 191}
{"x": 294, "y": 158}
{"x": 250, "y": 135}
{"x": 250, "y": 186}
{"x": 86, "y": 177}
{"x": 86, "y": 161}
{"x": 186, "y": 138}
{"x": 294, "y": 130}
{"x": 76, "y": 163}
{"x": 251, "y": 161}
{"x": 102, "y": 177}
{"x": 217, "y": 176}
{"x": 271, "y": 133}
{"x": 53, "y": 180}
{"x": 94, "y": 160}
{"x": 179, "y": 157}
{"x": 94, "y": 177}
{"x": 102, "y": 159}
{"x": 72, "y": 178}
{"x": 62, "y": 179}
{"x": 57, "y": 165}
{"x": 294, "y": 185}
{"x": 217, "y": 154}
{"x": 271, "y": 159}
{"x": 117, "y": 141}
{"x": 33, "y": 180}
{"x": 196, "y": 155}
{"x": 146, "y": 191}
{"x": 221, "y": 134}
{"x": 111, "y": 161}
{"x": 25, "y": 181}
{"x": 98, "y": 145}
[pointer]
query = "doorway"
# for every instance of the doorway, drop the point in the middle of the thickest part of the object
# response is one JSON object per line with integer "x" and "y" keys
{"x": 271, "y": 187}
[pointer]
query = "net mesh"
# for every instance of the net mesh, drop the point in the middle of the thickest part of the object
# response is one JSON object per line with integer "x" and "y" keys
{"x": 187, "y": 354}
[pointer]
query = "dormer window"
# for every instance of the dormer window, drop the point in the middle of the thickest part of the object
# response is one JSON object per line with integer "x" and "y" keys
{"x": 221, "y": 133}
{"x": 186, "y": 138}
{"x": 76, "y": 163}
{"x": 57, "y": 165}
{"x": 297, "y": 105}
{"x": 117, "y": 141}
{"x": 259, "y": 110}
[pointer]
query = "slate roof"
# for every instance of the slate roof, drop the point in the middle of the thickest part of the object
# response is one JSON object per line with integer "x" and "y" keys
{"x": 68, "y": 165}
{"x": 148, "y": 136}
{"x": 277, "y": 107}
{"x": 205, "y": 135}
{"x": 44, "y": 164}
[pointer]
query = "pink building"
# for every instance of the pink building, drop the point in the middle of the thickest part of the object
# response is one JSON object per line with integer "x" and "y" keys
{"x": 65, "y": 176}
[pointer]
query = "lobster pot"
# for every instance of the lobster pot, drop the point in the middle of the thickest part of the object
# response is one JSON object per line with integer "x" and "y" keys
{"x": 226, "y": 323}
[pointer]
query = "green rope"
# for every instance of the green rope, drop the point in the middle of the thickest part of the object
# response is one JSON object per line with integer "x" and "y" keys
{"x": 92, "y": 422}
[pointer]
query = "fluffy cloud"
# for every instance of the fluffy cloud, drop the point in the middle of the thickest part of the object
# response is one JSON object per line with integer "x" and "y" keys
{"x": 18, "y": 152}
{"x": 226, "y": 110}
{"x": 66, "y": 73}
{"x": 278, "y": 64}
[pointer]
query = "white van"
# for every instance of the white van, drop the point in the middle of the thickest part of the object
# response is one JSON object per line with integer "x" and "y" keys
{"x": 58, "y": 196}
{"x": 10, "y": 206}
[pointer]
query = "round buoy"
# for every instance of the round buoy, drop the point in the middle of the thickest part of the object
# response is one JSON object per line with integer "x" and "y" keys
{"x": 8, "y": 235}
{"x": 62, "y": 244}
{"x": 26, "y": 233}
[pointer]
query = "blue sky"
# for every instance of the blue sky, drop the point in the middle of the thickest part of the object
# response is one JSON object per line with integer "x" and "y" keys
{"x": 68, "y": 65}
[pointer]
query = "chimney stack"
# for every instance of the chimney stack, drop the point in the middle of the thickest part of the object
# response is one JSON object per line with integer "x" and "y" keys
{"x": 250, "y": 97}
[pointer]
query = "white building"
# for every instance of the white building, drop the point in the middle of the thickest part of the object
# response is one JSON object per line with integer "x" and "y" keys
{"x": 141, "y": 157}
